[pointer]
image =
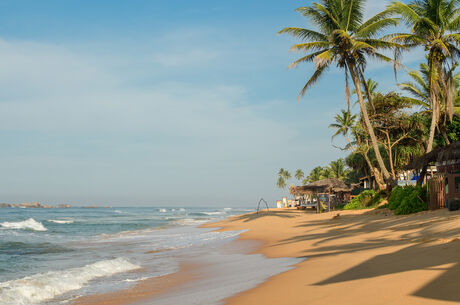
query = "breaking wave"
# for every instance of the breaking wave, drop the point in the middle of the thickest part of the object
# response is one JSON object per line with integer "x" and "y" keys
{"x": 29, "y": 224}
{"x": 46, "y": 286}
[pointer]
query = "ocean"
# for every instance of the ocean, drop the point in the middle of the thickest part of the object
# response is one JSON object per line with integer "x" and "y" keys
{"x": 53, "y": 256}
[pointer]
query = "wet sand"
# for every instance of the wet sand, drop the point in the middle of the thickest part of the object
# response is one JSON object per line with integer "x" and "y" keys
{"x": 144, "y": 290}
{"x": 358, "y": 257}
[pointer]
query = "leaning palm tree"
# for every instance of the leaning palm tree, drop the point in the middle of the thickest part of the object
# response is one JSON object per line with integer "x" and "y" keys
{"x": 343, "y": 38}
{"x": 434, "y": 25}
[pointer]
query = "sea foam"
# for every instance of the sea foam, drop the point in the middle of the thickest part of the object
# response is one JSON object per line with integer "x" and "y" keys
{"x": 29, "y": 224}
{"x": 46, "y": 286}
{"x": 60, "y": 221}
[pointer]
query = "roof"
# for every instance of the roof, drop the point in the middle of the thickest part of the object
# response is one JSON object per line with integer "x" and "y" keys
{"x": 440, "y": 155}
{"x": 326, "y": 185}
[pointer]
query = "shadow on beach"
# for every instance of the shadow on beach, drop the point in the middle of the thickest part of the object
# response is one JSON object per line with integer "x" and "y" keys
{"x": 268, "y": 213}
{"x": 426, "y": 241}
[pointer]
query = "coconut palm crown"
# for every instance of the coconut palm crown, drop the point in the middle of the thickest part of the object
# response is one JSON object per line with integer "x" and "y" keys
{"x": 341, "y": 37}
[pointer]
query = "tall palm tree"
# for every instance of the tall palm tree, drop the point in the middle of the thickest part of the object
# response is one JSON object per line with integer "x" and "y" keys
{"x": 343, "y": 124}
{"x": 343, "y": 38}
{"x": 434, "y": 25}
{"x": 299, "y": 175}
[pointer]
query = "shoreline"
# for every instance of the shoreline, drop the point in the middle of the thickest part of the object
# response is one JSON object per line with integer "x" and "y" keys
{"x": 223, "y": 264}
{"x": 357, "y": 257}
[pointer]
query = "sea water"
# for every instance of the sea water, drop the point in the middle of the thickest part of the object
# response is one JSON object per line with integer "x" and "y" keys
{"x": 52, "y": 256}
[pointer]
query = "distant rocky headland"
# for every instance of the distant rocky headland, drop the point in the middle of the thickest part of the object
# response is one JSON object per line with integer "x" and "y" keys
{"x": 46, "y": 206}
{"x": 34, "y": 205}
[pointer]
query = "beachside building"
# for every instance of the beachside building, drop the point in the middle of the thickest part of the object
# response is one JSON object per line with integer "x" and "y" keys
{"x": 322, "y": 194}
{"x": 444, "y": 186}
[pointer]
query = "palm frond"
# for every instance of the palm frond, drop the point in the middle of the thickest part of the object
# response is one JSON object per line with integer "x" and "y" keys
{"x": 313, "y": 79}
{"x": 304, "y": 34}
{"x": 315, "y": 45}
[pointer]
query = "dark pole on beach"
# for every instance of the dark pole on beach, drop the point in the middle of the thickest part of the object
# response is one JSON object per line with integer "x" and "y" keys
{"x": 258, "y": 205}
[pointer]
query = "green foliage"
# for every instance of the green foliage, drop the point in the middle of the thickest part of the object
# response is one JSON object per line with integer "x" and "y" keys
{"x": 336, "y": 169}
{"x": 453, "y": 129}
{"x": 396, "y": 197}
{"x": 299, "y": 175}
{"x": 364, "y": 200}
{"x": 283, "y": 177}
{"x": 408, "y": 199}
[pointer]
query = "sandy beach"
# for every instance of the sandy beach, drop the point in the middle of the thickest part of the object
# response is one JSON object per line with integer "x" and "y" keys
{"x": 358, "y": 257}
{"x": 350, "y": 257}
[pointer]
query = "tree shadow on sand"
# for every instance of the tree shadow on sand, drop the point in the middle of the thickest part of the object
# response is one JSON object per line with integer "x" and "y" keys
{"x": 420, "y": 239}
{"x": 416, "y": 257}
{"x": 270, "y": 213}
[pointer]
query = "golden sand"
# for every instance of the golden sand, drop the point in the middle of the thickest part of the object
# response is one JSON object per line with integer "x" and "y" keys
{"x": 352, "y": 257}
{"x": 356, "y": 257}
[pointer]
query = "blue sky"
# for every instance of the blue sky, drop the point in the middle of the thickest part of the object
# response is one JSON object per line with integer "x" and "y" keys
{"x": 159, "y": 102}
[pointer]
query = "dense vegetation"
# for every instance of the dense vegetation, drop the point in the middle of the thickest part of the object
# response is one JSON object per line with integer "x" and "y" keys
{"x": 364, "y": 200}
{"x": 408, "y": 199}
{"x": 391, "y": 128}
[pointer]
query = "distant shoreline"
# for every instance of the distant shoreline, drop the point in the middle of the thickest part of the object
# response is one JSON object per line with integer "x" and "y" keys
{"x": 36, "y": 205}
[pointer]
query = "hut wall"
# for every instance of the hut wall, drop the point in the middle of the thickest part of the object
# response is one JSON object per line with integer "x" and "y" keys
{"x": 436, "y": 193}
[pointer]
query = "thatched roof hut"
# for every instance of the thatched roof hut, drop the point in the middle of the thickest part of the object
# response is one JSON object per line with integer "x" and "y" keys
{"x": 330, "y": 185}
{"x": 443, "y": 156}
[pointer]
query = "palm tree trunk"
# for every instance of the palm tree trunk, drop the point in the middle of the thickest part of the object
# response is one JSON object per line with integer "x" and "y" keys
{"x": 390, "y": 156}
{"x": 432, "y": 127}
{"x": 374, "y": 172}
{"x": 434, "y": 87}
{"x": 370, "y": 129}
{"x": 446, "y": 138}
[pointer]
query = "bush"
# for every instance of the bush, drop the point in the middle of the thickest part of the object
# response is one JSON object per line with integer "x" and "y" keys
{"x": 396, "y": 197}
{"x": 408, "y": 199}
{"x": 364, "y": 200}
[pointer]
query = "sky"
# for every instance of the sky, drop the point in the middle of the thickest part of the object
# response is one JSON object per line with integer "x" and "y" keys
{"x": 161, "y": 103}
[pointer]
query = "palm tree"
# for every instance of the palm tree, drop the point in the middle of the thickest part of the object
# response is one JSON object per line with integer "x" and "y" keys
{"x": 281, "y": 183}
{"x": 343, "y": 124}
{"x": 286, "y": 175}
{"x": 338, "y": 168}
{"x": 434, "y": 25}
{"x": 299, "y": 175}
{"x": 281, "y": 172}
{"x": 419, "y": 88}
{"x": 344, "y": 39}
{"x": 283, "y": 176}
{"x": 316, "y": 174}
